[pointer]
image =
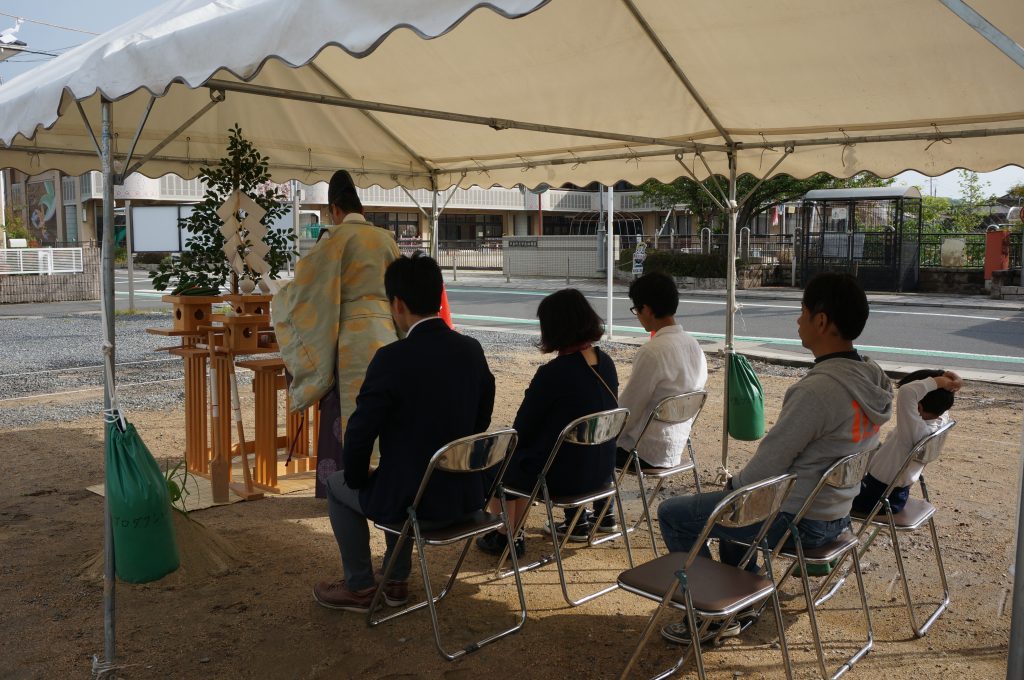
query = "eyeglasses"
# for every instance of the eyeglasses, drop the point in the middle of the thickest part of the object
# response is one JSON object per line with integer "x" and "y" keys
{"x": 635, "y": 310}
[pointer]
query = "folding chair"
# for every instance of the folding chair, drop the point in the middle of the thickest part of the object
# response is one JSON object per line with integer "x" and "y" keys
{"x": 590, "y": 430}
{"x": 712, "y": 590}
{"x": 671, "y": 410}
{"x": 914, "y": 514}
{"x": 845, "y": 473}
{"x": 470, "y": 454}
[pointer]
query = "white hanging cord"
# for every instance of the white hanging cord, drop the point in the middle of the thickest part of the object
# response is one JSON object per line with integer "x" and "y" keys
{"x": 113, "y": 414}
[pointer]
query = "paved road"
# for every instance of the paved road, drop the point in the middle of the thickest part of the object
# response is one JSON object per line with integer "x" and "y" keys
{"x": 970, "y": 334}
{"x": 982, "y": 339}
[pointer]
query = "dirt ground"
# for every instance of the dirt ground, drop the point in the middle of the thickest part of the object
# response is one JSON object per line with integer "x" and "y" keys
{"x": 241, "y": 606}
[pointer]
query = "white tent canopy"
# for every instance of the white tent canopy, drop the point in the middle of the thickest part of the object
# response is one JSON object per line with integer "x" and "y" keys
{"x": 435, "y": 93}
{"x": 639, "y": 81}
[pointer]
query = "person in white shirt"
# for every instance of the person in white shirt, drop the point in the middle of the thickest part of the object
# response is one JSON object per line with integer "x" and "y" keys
{"x": 671, "y": 363}
{"x": 922, "y": 404}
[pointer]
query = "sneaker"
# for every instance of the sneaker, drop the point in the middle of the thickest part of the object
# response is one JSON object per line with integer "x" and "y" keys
{"x": 608, "y": 525}
{"x": 336, "y": 595}
{"x": 494, "y": 543}
{"x": 679, "y": 632}
{"x": 580, "y": 532}
{"x": 396, "y": 593}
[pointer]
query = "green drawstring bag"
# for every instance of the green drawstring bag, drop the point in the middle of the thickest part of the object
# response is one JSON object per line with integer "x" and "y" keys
{"x": 140, "y": 508}
{"x": 746, "y": 400}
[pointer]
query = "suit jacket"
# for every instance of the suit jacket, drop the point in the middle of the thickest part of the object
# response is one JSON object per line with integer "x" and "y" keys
{"x": 562, "y": 390}
{"x": 419, "y": 394}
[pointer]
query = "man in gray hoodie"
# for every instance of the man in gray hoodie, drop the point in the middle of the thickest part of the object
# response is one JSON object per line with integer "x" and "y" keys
{"x": 833, "y": 411}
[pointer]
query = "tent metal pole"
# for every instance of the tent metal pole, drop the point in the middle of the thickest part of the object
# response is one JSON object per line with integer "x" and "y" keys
{"x": 878, "y": 139}
{"x": 215, "y": 98}
{"x": 433, "y": 217}
{"x": 414, "y": 201}
{"x": 138, "y": 130}
{"x": 730, "y": 311}
{"x": 491, "y": 122}
{"x": 652, "y": 35}
{"x": 711, "y": 195}
{"x": 610, "y": 259}
{"x": 1003, "y": 42}
{"x": 107, "y": 282}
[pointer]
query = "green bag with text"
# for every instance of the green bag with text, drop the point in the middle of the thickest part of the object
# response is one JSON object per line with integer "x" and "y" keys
{"x": 140, "y": 508}
{"x": 746, "y": 400}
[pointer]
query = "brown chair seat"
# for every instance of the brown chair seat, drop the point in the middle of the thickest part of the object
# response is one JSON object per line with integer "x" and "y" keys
{"x": 461, "y": 529}
{"x": 714, "y": 587}
{"x": 828, "y": 552}
{"x": 915, "y": 513}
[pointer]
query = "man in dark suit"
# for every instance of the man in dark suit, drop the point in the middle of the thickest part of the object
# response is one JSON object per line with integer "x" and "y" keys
{"x": 419, "y": 393}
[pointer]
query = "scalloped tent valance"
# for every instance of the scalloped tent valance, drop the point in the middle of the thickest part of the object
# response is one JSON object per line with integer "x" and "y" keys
{"x": 522, "y": 91}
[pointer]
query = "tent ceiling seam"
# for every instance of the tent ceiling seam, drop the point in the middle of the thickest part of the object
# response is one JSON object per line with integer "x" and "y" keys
{"x": 677, "y": 69}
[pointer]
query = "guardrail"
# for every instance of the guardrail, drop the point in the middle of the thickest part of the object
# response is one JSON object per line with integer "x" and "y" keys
{"x": 41, "y": 260}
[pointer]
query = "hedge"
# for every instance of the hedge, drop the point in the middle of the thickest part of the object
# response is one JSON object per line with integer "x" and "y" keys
{"x": 678, "y": 264}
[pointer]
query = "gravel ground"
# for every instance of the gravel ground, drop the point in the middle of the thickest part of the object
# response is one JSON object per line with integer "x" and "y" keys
{"x": 46, "y": 359}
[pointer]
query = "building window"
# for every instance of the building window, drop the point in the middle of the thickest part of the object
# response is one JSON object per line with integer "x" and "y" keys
{"x": 469, "y": 227}
{"x": 404, "y": 225}
{"x": 71, "y": 223}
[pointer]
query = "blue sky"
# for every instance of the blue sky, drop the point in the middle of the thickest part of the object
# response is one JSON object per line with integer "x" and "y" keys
{"x": 98, "y": 16}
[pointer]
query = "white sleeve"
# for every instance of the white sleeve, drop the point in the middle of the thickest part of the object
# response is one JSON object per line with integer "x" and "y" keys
{"x": 637, "y": 394}
{"x": 907, "y": 397}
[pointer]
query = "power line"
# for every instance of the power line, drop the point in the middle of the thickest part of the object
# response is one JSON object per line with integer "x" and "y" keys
{"x": 44, "y": 23}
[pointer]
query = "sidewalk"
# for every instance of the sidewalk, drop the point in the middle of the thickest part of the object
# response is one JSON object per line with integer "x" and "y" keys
{"x": 794, "y": 294}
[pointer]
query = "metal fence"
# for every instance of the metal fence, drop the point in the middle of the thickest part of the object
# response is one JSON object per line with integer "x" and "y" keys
{"x": 40, "y": 260}
{"x": 753, "y": 248}
{"x": 480, "y": 254}
{"x": 973, "y": 251}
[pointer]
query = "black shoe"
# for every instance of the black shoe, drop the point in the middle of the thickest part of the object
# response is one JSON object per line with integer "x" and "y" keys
{"x": 609, "y": 525}
{"x": 580, "y": 532}
{"x": 494, "y": 543}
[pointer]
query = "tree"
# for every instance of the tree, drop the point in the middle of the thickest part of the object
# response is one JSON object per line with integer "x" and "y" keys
{"x": 204, "y": 267}
{"x": 965, "y": 215}
{"x": 934, "y": 211}
{"x": 772, "y": 192}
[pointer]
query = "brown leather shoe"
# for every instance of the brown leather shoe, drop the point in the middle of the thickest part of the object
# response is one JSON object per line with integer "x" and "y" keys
{"x": 396, "y": 593}
{"x": 336, "y": 595}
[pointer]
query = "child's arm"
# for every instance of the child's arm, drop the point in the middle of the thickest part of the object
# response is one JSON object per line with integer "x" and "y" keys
{"x": 949, "y": 381}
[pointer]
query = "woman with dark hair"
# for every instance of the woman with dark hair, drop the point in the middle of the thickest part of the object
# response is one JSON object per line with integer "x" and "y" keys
{"x": 334, "y": 316}
{"x": 580, "y": 380}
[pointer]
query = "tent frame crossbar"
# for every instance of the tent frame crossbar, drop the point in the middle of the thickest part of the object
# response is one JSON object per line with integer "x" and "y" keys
{"x": 1002, "y": 42}
{"x": 677, "y": 69}
{"x": 215, "y": 98}
{"x": 372, "y": 118}
{"x": 491, "y": 122}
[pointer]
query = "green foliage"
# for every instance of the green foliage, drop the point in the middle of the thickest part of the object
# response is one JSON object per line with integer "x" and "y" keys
{"x": 965, "y": 215}
{"x": 774, "y": 191}
{"x": 151, "y": 258}
{"x": 678, "y": 264}
{"x": 15, "y": 225}
{"x": 934, "y": 213}
{"x": 177, "y": 479}
{"x": 204, "y": 266}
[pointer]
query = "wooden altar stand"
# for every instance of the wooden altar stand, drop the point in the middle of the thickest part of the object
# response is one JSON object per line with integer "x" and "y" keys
{"x": 235, "y": 337}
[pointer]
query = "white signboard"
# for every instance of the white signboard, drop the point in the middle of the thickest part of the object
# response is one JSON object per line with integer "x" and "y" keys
{"x": 639, "y": 255}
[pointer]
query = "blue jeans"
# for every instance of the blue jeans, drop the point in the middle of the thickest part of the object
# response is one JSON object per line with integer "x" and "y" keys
{"x": 683, "y": 517}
